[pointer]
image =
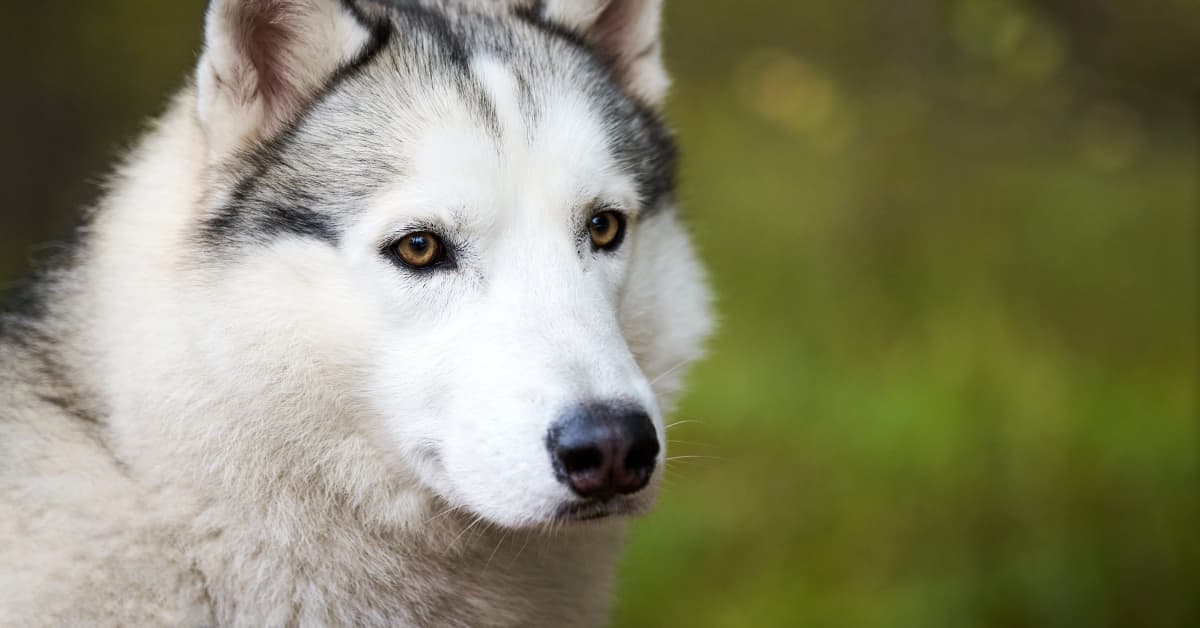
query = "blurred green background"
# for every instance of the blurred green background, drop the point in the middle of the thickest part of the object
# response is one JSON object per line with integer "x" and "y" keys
{"x": 955, "y": 245}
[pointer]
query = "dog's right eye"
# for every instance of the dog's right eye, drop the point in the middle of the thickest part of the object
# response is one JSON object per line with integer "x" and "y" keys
{"x": 420, "y": 250}
{"x": 607, "y": 230}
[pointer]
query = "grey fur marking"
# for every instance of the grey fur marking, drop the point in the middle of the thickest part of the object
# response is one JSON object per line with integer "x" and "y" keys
{"x": 279, "y": 192}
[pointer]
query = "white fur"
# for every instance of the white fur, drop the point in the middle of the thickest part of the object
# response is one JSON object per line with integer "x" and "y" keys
{"x": 311, "y": 437}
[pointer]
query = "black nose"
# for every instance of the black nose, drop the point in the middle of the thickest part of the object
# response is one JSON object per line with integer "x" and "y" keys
{"x": 601, "y": 450}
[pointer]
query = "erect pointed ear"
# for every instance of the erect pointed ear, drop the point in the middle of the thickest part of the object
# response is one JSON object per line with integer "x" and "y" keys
{"x": 264, "y": 60}
{"x": 626, "y": 33}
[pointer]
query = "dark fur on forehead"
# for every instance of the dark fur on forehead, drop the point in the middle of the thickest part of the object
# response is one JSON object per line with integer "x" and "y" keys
{"x": 280, "y": 192}
{"x": 534, "y": 13}
{"x": 648, "y": 149}
{"x": 252, "y": 216}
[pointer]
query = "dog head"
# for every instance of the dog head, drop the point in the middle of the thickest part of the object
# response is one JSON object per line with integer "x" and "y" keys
{"x": 457, "y": 219}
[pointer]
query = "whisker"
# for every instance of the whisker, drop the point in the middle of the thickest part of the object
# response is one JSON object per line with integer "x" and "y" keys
{"x": 690, "y": 442}
{"x": 675, "y": 474}
{"x": 475, "y": 522}
{"x": 528, "y": 536}
{"x": 675, "y": 458}
{"x": 501, "y": 542}
{"x": 482, "y": 530}
{"x": 669, "y": 372}
{"x": 678, "y": 423}
{"x": 694, "y": 464}
{"x": 441, "y": 514}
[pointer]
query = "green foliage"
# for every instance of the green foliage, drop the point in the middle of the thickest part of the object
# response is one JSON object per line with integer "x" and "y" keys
{"x": 956, "y": 380}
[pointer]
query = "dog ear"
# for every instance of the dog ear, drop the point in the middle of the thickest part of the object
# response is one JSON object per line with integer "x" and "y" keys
{"x": 265, "y": 60}
{"x": 627, "y": 34}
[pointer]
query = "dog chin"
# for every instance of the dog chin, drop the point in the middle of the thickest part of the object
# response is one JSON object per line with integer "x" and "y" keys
{"x": 594, "y": 511}
{"x": 573, "y": 514}
{"x": 554, "y": 513}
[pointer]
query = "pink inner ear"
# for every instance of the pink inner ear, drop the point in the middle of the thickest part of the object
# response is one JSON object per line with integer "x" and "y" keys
{"x": 265, "y": 30}
{"x": 620, "y": 34}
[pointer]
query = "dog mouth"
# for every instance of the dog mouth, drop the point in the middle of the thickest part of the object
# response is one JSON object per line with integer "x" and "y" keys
{"x": 595, "y": 510}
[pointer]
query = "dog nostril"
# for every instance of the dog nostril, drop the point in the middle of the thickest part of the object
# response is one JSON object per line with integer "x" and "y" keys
{"x": 580, "y": 459}
{"x": 602, "y": 450}
{"x": 642, "y": 455}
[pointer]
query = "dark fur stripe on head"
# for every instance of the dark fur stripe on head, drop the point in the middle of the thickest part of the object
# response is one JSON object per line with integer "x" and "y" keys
{"x": 242, "y": 214}
{"x": 280, "y": 193}
{"x": 534, "y": 14}
{"x": 654, "y": 157}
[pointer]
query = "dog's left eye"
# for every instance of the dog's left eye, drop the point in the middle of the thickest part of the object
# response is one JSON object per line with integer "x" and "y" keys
{"x": 607, "y": 230}
{"x": 420, "y": 250}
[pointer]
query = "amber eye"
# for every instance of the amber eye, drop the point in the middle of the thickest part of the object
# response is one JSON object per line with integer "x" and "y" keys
{"x": 607, "y": 230}
{"x": 420, "y": 250}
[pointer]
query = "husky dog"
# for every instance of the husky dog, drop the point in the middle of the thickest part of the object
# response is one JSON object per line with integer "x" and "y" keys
{"x": 377, "y": 326}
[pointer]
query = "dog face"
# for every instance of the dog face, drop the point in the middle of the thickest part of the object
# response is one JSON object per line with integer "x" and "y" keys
{"x": 467, "y": 210}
